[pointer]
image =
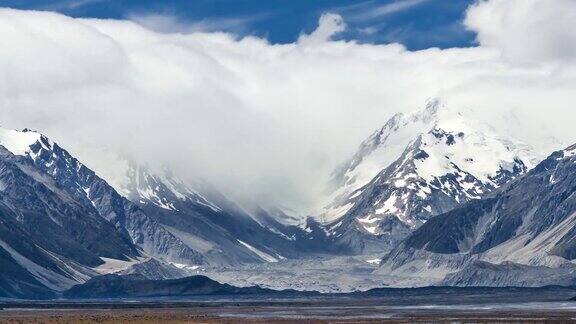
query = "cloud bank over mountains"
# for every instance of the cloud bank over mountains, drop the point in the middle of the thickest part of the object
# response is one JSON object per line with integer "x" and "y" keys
{"x": 271, "y": 121}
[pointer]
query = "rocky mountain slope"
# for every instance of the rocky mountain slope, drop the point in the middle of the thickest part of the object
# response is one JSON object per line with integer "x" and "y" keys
{"x": 224, "y": 232}
{"x": 84, "y": 186}
{"x": 416, "y": 167}
{"x": 49, "y": 240}
{"x": 63, "y": 224}
{"x": 529, "y": 224}
{"x": 453, "y": 201}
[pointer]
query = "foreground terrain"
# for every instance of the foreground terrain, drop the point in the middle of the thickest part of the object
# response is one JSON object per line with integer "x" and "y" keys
{"x": 262, "y": 316}
{"x": 379, "y": 305}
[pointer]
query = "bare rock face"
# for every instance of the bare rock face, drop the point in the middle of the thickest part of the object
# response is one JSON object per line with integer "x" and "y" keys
{"x": 528, "y": 223}
{"x": 84, "y": 186}
{"x": 60, "y": 221}
{"x": 49, "y": 240}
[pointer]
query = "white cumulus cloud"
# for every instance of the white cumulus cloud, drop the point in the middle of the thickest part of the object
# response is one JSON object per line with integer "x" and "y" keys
{"x": 526, "y": 31}
{"x": 271, "y": 121}
{"x": 329, "y": 25}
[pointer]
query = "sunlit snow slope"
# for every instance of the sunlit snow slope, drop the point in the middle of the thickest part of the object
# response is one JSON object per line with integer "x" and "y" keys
{"x": 415, "y": 167}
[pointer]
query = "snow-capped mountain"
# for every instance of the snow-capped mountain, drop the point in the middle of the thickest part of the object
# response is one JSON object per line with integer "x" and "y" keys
{"x": 62, "y": 224}
{"x": 419, "y": 165}
{"x": 378, "y": 151}
{"x": 157, "y": 185}
{"x": 49, "y": 239}
{"x": 225, "y": 232}
{"x": 162, "y": 214}
{"x": 527, "y": 227}
{"x": 74, "y": 178}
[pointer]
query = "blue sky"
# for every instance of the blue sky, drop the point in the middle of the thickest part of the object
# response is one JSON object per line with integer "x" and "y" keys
{"x": 417, "y": 24}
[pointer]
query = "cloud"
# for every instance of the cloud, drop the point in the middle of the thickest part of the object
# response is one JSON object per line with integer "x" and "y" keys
{"x": 388, "y": 9}
{"x": 369, "y": 10}
{"x": 265, "y": 120}
{"x": 526, "y": 31}
{"x": 329, "y": 25}
{"x": 370, "y": 23}
{"x": 68, "y": 5}
{"x": 170, "y": 23}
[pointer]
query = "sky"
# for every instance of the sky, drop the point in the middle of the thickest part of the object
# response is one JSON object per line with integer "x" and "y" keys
{"x": 417, "y": 24}
{"x": 266, "y": 101}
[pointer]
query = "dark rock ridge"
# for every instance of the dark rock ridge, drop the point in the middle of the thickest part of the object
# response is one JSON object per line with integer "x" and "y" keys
{"x": 115, "y": 286}
{"x": 84, "y": 185}
{"x": 48, "y": 239}
{"x": 530, "y": 221}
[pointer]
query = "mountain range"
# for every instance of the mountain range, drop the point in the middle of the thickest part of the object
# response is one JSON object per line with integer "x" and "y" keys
{"x": 433, "y": 197}
{"x": 62, "y": 224}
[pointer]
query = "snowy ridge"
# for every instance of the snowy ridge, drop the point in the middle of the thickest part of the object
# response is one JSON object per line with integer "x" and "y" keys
{"x": 161, "y": 188}
{"x": 22, "y": 142}
{"x": 264, "y": 256}
{"x": 144, "y": 182}
{"x": 85, "y": 186}
{"x": 446, "y": 161}
{"x": 443, "y": 142}
{"x": 165, "y": 216}
{"x": 523, "y": 234}
{"x": 570, "y": 151}
{"x": 382, "y": 148}
{"x": 19, "y": 142}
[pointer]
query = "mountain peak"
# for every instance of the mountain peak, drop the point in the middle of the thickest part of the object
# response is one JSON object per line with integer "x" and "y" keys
{"x": 384, "y": 145}
{"x": 432, "y": 107}
{"x": 437, "y": 113}
{"x": 570, "y": 151}
{"x": 18, "y": 143}
{"x": 455, "y": 157}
